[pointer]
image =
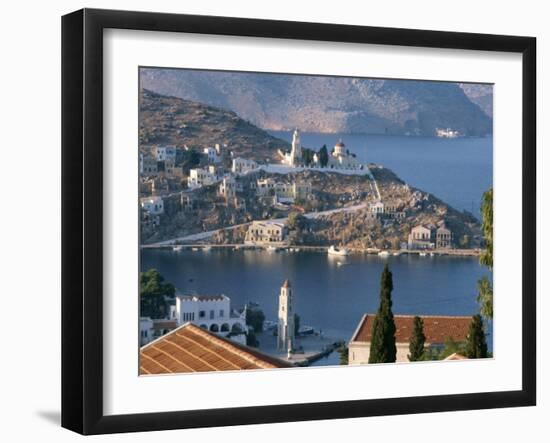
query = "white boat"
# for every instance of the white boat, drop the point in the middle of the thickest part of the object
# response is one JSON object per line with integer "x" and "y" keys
{"x": 422, "y": 254}
{"x": 207, "y": 248}
{"x": 333, "y": 250}
{"x": 397, "y": 254}
{"x": 271, "y": 249}
{"x": 177, "y": 248}
{"x": 195, "y": 249}
{"x": 383, "y": 254}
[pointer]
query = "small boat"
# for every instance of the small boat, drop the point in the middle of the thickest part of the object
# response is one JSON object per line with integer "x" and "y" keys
{"x": 397, "y": 254}
{"x": 333, "y": 250}
{"x": 296, "y": 249}
{"x": 207, "y": 248}
{"x": 383, "y": 254}
{"x": 195, "y": 249}
{"x": 422, "y": 254}
{"x": 177, "y": 248}
{"x": 306, "y": 330}
{"x": 271, "y": 249}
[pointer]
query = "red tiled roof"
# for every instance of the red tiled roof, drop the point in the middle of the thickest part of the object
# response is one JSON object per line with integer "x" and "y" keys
{"x": 286, "y": 284}
{"x": 190, "y": 348}
{"x": 436, "y": 328}
{"x": 456, "y": 356}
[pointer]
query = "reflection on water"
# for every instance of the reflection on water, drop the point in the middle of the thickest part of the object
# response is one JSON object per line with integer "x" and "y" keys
{"x": 327, "y": 295}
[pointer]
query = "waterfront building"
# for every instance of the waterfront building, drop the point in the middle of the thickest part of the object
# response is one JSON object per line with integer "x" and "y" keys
{"x": 153, "y": 205}
{"x": 421, "y": 237}
{"x": 190, "y": 348}
{"x": 285, "y": 327}
{"x": 211, "y": 312}
{"x": 437, "y": 330}
{"x": 163, "y": 153}
{"x": 266, "y": 233}
{"x": 443, "y": 238}
{"x": 243, "y": 165}
{"x": 199, "y": 177}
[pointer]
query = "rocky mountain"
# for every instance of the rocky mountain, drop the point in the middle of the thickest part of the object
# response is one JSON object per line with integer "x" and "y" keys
{"x": 481, "y": 95}
{"x": 329, "y": 104}
{"x": 178, "y": 122}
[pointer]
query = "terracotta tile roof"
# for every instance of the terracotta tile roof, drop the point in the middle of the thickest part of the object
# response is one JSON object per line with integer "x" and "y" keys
{"x": 436, "y": 328}
{"x": 286, "y": 284}
{"x": 190, "y": 348}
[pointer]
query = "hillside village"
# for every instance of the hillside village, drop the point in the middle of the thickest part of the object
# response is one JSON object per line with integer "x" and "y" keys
{"x": 243, "y": 186}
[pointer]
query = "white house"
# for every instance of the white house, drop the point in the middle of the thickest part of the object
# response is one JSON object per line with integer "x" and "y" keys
{"x": 211, "y": 312}
{"x": 164, "y": 153}
{"x": 443, "y": 237}
{"x": 153, "y": 205}
{"x": 151, "y": 329}
{"x": 243, "y": 165}
{"x": 281, "y": 190}
{"x": 147, "y": 165}
{"x": 227, "y": 187}
{"x": 437, "y": 329}
{"x": 199, "y": 177}
{"x": 266, "y": 233}
{"x": 376, "y": 207}
{"x": 213, "y": 154}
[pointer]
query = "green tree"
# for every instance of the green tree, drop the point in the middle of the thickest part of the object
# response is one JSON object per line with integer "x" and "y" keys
{"x": 296, "y": 324}
{"x": 383, "y": 349}
{"x": 484, "y": 286}
{"x": 476, "y": 346}
{"x": 323, "y": 156}
{"x": 452, "y": 347}
{"x": 251, "y": 339}
{"x": 344, "y": 354}
{"x": 416, "y": 345}
{"x": 153, "y": 292}
{"x": 255, "y": 319}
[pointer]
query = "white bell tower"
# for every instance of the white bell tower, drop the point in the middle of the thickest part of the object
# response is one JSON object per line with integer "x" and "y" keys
{"x": 296, "y": 152}
{"x": 285, "y": 337}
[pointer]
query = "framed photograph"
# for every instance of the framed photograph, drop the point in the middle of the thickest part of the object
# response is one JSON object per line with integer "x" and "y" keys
{"x": 270, "y": 221}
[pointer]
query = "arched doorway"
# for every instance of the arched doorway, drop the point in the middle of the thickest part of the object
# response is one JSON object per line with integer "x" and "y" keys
{"x": 224, "y": 327}
{"x": 214, "y": 327}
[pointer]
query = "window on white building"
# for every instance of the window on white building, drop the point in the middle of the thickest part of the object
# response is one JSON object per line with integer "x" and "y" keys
{"x": 202, "y": 314}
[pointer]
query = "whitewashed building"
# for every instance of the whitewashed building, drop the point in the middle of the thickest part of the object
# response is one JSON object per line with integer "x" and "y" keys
{"x": 153, "y": 205}
{"x": 443, "y": 237}
{"x": 213, "y": 154}
{"x": 243, "y": 165}
{"x": 341, "y": 158}
{"x": 211, "y": 312}
{"x": 147, "y": 165}
{"x": 421, "y": 237}
{"x": 283, "y": 191}
{"x": 294, "y": 157}
{"x": 199, "y": 177}
{"x": 266, "y": 233}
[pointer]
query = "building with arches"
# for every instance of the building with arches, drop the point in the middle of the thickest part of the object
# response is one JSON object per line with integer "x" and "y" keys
{"x": 211, "y": 312}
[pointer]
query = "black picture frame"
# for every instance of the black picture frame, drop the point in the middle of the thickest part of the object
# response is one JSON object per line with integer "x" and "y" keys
{"x": 82, "y": 215}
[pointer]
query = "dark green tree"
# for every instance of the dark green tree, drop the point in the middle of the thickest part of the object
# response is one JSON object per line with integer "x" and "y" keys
{"x": 251, "y": 339}
{"x": 484, "y": 285}
{"x": 383, "y": 349}
{"x": 255, "y": 319}
{"x": 344, "y": 354}
{"x": 476, "y": 346}
{"x": 153, "y": 292}
{"x": 296, "y": 324}
{"x": 323, "y": 156}
{"x": 416, "y": 345}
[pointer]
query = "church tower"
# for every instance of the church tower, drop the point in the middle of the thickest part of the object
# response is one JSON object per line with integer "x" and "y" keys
{"x": 285, "y": 337}
{"x": 296, "y": 152}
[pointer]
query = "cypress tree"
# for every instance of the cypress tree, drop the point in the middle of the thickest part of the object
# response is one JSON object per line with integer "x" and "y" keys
{"x": 476, "y": 346}
{"x": 382, "y": 349}
{"x": 416, "y": 345}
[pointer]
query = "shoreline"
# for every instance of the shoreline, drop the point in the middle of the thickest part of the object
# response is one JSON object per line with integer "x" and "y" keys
{"x": 317, "y": 248}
